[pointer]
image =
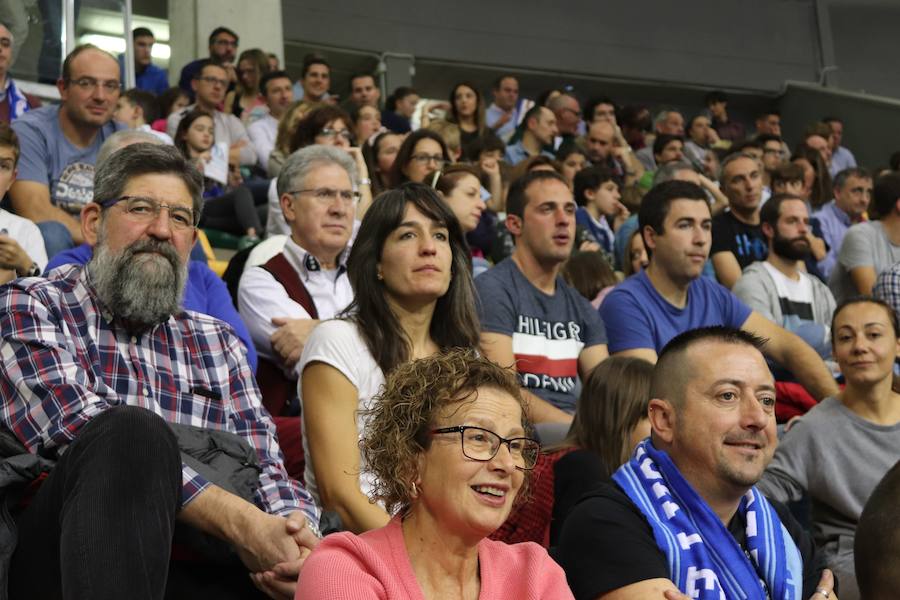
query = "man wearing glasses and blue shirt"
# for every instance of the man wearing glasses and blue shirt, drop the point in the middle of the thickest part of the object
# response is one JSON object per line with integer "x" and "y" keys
{"x": 59, "y": 147}
{"x": 210, "y": 84}
{"x": 104, "y": 373}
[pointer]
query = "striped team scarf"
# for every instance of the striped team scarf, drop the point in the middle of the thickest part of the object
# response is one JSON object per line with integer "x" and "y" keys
{"x": 705, "y": 561}
{"x": 18, "y": 103}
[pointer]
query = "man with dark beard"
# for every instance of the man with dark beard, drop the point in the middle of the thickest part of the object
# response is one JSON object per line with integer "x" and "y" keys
{"x": 778, "y": 288}
{"x": 102, "y": 372}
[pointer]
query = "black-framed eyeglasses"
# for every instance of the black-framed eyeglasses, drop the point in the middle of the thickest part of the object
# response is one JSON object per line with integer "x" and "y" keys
{"x": 329, "y": 195}
{"x": 328, "y": 132}
{"x": 437, "y": 159}
{"x": 146, "y": 210}
{"x": 483, "y": 444}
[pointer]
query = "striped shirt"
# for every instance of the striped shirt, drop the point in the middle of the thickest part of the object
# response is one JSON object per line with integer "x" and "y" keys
{"x": 64, "y": 360}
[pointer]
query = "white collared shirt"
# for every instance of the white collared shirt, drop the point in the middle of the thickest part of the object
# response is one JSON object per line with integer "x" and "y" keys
{"x": 261, "y": 298}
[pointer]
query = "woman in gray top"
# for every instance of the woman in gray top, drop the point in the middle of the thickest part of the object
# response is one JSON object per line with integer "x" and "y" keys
{"x": 839, "y": 451}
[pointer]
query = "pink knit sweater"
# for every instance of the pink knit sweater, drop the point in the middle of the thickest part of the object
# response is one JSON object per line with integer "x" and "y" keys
{"x": 375, "y": 565}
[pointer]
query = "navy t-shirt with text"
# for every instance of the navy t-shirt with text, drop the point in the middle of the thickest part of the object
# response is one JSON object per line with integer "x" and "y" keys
{"x": 548, "y": 332}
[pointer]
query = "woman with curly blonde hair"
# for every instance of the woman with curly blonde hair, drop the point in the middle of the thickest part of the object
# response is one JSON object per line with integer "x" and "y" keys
{"x": 447, "y": 444}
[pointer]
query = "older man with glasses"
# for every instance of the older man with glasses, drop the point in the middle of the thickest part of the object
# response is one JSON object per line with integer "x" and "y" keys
{"x": 120, "y": 393}
{"x": 210, "y": 84}
{"x": 284, "y": 299}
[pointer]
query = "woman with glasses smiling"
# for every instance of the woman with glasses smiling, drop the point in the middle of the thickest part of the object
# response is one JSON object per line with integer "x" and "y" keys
{"x": 422, "y": 153}
{"x": 448, "y": 447}
{"x": 413, "y": 298}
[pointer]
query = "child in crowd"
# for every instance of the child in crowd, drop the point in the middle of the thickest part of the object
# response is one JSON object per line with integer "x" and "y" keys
{"x": 228, "y": 206}
{"x": 172, "y": 100}
{"x": 600, "y": 210}
{"x": 137, "y": 109}
{"x": 22, "y": 252}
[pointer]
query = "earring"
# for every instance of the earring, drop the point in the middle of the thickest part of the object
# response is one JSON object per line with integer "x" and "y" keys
{"x": 379, "y": 276}
{"x": 415, "y": 490}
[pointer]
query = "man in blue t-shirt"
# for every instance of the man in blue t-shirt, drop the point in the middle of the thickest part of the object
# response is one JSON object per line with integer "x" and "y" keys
{"x": 531, "y": 320}
{"x": 60, "y": 143}
{"x": 669, "y": 297}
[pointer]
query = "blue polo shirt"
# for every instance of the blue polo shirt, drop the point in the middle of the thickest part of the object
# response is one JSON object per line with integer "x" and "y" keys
{"x": 637, "y": 316}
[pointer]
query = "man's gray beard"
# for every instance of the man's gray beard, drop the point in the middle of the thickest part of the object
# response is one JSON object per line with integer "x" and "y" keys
{"x": 139, "y": 288}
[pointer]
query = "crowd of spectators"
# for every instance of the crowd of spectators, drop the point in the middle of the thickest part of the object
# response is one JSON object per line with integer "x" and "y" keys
{"x": 487, "y": 347}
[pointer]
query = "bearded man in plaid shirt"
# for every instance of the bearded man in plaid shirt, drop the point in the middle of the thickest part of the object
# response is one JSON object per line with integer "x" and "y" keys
{"x": 96, "y": 362}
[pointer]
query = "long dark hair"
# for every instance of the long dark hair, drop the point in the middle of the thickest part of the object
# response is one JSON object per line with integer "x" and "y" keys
{"x": 454, "y": 323}
{"x": 479, "y": 106}
{"x": 821, "y": 188}
{"x": 185, "y": 124}
{"x": 404, "y": 155}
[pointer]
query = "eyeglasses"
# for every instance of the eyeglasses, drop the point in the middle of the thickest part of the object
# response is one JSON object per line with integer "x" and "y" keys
{"x": 427, "y": 158}
{"x": 329, "y": 195}
{"x": 483, "y": 444}
{"x": 89, "y": 84}
{"x": 577, "y": 113}
{"x": 146, "y": 210}
{"x": 224, "y": 42}
{"x": 328, "y": 132}
{"x": 213, "y": 80}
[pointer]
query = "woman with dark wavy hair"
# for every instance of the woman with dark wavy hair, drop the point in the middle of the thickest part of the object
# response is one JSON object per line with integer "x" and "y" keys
{"x": 409, "y": 263}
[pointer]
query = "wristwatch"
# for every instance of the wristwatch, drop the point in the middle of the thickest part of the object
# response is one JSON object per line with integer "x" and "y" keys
{"x": 33, "y": 271}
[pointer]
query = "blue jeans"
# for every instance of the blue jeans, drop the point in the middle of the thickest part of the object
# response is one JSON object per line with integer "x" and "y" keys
{"x": 56, "y": 237}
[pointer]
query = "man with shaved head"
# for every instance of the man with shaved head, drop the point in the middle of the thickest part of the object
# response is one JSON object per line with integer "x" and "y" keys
{"x": 606, "y": 147}
{"x": 684, "y": 513}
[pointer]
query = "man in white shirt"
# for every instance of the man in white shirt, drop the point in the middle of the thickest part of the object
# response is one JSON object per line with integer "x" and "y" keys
{"x": 277, "y": 89}
{"x": 284, "y": 299}
{"x": 503, "y": 115}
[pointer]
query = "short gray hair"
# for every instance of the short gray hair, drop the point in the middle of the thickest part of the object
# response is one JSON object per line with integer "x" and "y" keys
{"x": 142, "y": 158}
{"x": 668, "y": 171}
{"x": 662, "y": 115}
{"x": 301, "y": 163}
{"x": 123, "y": 138}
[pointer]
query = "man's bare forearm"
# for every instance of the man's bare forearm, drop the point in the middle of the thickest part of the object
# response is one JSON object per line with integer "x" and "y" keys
{"x": 541, "y": 411}
{"x": 810, "y": 370}
{"x": 218, "y": 513}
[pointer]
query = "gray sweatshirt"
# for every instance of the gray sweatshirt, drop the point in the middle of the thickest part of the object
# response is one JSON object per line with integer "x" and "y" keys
{"x": 759, "y": 291}
{"x": 837, "y": 458}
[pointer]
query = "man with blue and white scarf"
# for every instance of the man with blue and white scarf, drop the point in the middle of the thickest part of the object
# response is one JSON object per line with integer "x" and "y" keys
{"x": 13, "y": 102}
{"x": 683, "y": 518}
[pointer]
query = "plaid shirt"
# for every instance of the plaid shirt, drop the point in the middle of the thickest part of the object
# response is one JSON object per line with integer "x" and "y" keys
{"x": 63, "y": 361}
